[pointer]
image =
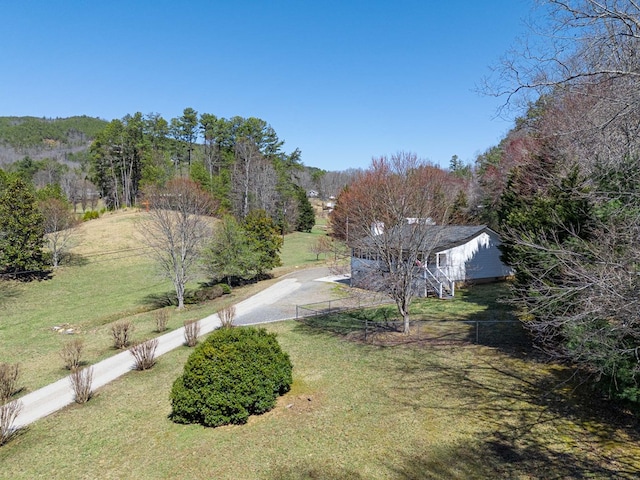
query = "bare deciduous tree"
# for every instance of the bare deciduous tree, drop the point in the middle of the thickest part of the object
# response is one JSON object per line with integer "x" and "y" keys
{"x": 388, "y": 207}
{"x": 581, "y": 61}
{"x": 320, "y": 246}
{"x": 254, "y": 180}
{"x": 332, "y": 183}
{"x": 176, "y": 229}
{"x": 247, "y": 155}
{"x": 59, "y": 227}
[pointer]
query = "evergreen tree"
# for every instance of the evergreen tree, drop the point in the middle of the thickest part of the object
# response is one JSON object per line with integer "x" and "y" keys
{"x": 460, "y": 208}
{"x": 230, "y": 254}
{"x": 539, "y": 213}
{"x": 264, "y": 237}
{"x": 306, "y": 215}
{"x": 21, "y": 233}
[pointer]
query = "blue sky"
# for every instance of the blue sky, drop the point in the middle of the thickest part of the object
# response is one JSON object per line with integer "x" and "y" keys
{"x": 341, "y": 80}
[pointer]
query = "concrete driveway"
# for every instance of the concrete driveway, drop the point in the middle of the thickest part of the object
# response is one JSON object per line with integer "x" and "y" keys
{"x": 279, "y": 301}
{"x": 275, "y": 303}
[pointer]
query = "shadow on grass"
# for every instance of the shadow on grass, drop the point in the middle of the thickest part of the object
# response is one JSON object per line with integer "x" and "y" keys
{"x": 497, "y": 458}
{"x": 204, "y": 293}
{"x": 160, "y": 300}
{"x": 74, "y": 260}
{"x": 8, "y": 291}
{"x": 526, "y": 419}
{"x": 350, "y": 322}
{"x": 476, "y": 316}
{"x": 532, "y": 421}
{"x": 13, "y": 435}
{"x": 313, "y": 470}
{"x": 496, "y": 324}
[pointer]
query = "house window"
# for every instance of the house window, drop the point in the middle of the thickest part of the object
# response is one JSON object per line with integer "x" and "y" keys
{"x": 442, "y": 260}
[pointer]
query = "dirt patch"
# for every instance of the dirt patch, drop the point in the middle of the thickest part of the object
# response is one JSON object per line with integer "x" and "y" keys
{"x": 297, "y": 404}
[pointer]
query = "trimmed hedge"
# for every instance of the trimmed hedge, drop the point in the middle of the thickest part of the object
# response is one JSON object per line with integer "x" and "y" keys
{"x": 234, "y": 373}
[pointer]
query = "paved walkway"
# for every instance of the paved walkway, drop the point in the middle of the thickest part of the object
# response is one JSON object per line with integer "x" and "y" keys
{"x": 275, "y": 303}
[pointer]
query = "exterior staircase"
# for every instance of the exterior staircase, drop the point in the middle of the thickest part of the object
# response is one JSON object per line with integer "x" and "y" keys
{"x": 436, "y": 281}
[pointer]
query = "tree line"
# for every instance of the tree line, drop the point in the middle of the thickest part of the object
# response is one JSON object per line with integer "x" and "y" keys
{"x": 563, "y": 187}
{"x": 239, "y": 161}
{"x": 183, "y": 172}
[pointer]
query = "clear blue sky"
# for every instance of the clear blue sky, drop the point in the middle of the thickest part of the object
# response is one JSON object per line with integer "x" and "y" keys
{"x": 343, "y": 80}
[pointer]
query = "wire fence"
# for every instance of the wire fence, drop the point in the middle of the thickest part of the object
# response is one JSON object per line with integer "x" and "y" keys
{"x": 340, "y": 305}
{"x": 359, "y": 317}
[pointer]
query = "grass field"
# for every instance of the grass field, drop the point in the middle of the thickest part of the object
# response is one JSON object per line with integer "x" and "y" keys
{"x": 436, "y": 406}
{"x": 110, "y": 279}
{"x": 295, "y": 251}
{"x": 412, "y": 411}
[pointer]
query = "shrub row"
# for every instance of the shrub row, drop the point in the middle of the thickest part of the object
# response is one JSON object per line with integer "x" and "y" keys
{"x": 207, "y": 292}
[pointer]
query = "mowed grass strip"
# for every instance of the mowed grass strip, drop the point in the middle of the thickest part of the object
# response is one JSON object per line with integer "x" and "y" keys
{"x": 355, "y": 411}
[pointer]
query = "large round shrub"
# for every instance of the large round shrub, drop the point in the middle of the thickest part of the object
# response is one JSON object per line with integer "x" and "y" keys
{"x": 234, "y": 373}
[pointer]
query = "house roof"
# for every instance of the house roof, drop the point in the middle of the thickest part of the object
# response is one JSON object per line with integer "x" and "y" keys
{"x": 443, "y": 237}
{"x": 432, "y": 238}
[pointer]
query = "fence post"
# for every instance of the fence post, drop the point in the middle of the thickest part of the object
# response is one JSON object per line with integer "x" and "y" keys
{"x": 296, "y": 312}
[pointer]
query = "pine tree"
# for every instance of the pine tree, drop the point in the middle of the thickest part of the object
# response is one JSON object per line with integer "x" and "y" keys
{"x": 21, "y": 233}
{"x": 306, "y": 215}
{"x": 230, "y": 254}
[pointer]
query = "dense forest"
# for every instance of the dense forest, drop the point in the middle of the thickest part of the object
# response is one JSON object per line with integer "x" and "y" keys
{"x": 241, "y": 161}
{"x": 40, "y": 138}
{"x": 30, "y": 132}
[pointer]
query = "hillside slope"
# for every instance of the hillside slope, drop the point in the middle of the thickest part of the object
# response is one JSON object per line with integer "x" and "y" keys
{"x": 39, "y": 138}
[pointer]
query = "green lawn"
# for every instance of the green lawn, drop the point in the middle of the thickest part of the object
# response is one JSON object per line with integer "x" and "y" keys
{"x": 355, "y": 411}
{"x": 110, "y": 280}
{"x": 375, "y": 409}
{"x": 295, "y": 251}
{"x": 476, "y": 314}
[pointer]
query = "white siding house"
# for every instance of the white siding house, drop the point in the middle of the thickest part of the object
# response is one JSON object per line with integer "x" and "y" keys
{"x": 453, "y": 254}
{"x": 477, "y": 259}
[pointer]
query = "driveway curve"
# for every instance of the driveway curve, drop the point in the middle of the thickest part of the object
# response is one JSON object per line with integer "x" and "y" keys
{"x": 275, "y": 303}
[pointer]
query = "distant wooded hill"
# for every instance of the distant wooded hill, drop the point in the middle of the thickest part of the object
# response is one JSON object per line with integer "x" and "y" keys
{"x": 53, "y": 150}
{"x": 40, "y": 138}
